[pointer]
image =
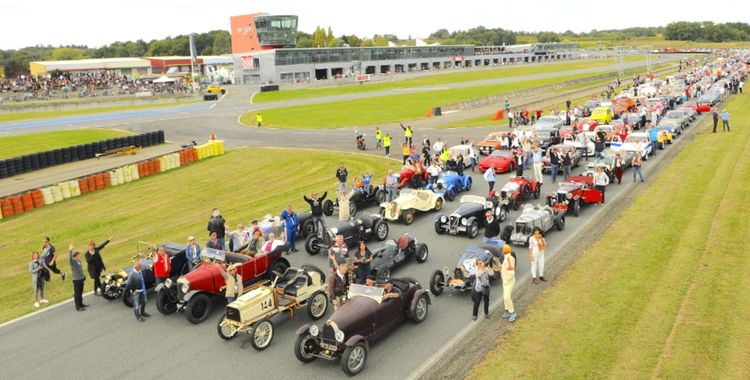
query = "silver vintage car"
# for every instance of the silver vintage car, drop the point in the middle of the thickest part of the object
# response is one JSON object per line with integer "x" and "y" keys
{"x": 532, "y": 216}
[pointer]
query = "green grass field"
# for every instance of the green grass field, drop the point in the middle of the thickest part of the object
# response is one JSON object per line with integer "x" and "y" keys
{"x": 362, "y": 112}
{"x": 437, "y": 79}
{"x": 128, "y": 211}
{"x": 653, "y": 43}
{"x": 663, "y": 293}
{"x": 12, "y": 146}
{"x": 8, "y": 117}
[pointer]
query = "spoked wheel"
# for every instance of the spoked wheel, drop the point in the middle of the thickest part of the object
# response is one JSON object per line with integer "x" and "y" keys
{"x": 437, "y": 283}
{"x": 226, "y": 331}
{"x": 538, "y": 191}
{"x": 317, "y": 305}
{"x": 381, "y": 230}
{"x": 354, "y": 358}
{"x": 422, "y": 253}
{"x": 420, "y": 310}
{"x": 262, "y": 334}
{"x": 304, "y": 348}
{"x": 439, "y": 204}
{"x": 111, "y": 293}
{"x": 502, "y": 214}
{"x": 164, "y": 302}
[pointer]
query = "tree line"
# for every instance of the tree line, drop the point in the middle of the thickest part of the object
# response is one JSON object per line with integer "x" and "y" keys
{"x": 707, "y": 31}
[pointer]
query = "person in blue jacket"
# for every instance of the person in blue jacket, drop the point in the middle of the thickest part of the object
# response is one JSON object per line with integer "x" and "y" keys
{"x": 291, "y": 222}
{"x": 653, "y": 134}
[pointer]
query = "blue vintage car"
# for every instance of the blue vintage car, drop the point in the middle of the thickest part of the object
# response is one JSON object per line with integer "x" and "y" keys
{"x": 450, "y": 184}
{"x": 461, "y": 278}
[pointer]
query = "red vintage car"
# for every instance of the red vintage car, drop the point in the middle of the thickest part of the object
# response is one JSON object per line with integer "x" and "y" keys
{"x": 572, "y": 192}
{"x": 195, "y": 292}
{"x": 585, "y": 124}
{"x": 502, "y": 159}
{"x": 406, "y": 174}
{"x": 518, "y": 189}
{"x": 623, "y": 105}
{"x": 698, "y": 108}
{"x": 494, "y": 141}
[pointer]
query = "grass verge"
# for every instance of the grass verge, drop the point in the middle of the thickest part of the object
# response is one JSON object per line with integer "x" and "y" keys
{"x": 13, "y": 146}
{"x": 23, "y": 116}
{"x": 437, "y": 79}
{"x": 661, "y": 293}
{"x": 158, "y": 209}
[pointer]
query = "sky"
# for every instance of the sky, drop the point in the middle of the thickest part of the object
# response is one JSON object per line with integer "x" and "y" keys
{"x": 97, "y": 23}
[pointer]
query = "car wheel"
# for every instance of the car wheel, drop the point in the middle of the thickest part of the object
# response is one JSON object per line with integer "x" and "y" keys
{"x": 468, "y": 184}
{"x": 525, "y": 192}
{"x": 420, "y": 309}
{"x": 473, "y": 230}
{"x": 304, "y": 347}
{"x": 421, "y": 253}
{"x": 198, "y": 308}
{"x": 164, "y": 302}
{"x": 507, "y": 232}
{"x": 262, "y": 334}
{"x": 328, "y": 207}
{"x": 308, "y": 228}
{"x": 381, "y": 230}
{"x": 437, "y": 283}
{"x": 502, "y": 213}
{"x": 538, "y": 191}
{"x": 439, "y": 204}
{"x": 380, "y": 196}
{"x": 408, "y": 217}
{"x": 439, "y": 228}
{"x": 226, "y": 331}
{"x": 577, "y": 208}
{"x": 317, "y": 305}
{"x": 127, "y": 298}
{"x": 279, "y": 267}
{"x": 560, "y": 223}
{"x": 111, "y": 293}
{"x": 516, "y": 204}
{"x": 352, "y": 209}
{"x": 354, "y": 358}
{"x": 450, "y": 195}
{"x": 311, "y": 245}
{"x": 384, "y": 273}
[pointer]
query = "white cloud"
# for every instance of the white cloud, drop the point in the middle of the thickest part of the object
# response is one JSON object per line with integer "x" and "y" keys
{"x": 96, "y": 23}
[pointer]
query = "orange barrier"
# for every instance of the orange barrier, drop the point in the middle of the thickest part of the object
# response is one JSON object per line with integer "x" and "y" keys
{"x": 98, "y": 181}
{"x": 38, "y": 198}
{"x": 141, "y": 170}
{"x": 92, "y": 183}
{"x": 499, "y": 115}
{"x": 6, "y": 207}
{"x": 157, "y": 165}
{"x": 107, "y": 179}
{"x": 83, "y": 184}
{"x": 28, "y": 201}
{"x": 429, "y": 113}
{"x": 17, "y": 204}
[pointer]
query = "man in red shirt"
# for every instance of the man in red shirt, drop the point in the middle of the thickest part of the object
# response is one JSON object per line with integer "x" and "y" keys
{"x": 162, "y": 265}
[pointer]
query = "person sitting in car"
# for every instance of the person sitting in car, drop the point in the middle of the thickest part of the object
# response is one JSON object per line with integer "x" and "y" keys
{"x": 403, "y": 244}
{"x": 272, "y": 243}
{"x": 390, "y": 292}
{"x": 366, "y": 181}
{"x": 214, "y": 242}
{"x": 370, "y": 281}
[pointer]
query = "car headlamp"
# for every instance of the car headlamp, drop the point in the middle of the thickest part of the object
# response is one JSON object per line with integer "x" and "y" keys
{"x": 168, "y": 283}
{"x": 314, "y": 331}
{"x": 443, "y": 219}
{"x": 184, "y": 285}
{"x": 334, "y": 230}
{"x": 339, "y": 335}
{"x": 569, "y": 195}
{"x": 464, "y": 221}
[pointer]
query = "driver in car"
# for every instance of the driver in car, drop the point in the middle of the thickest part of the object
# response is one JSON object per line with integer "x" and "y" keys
{"x": 370, "y": 281}
{"x": 403, "y": 244}
{"x": 390, "y": 291}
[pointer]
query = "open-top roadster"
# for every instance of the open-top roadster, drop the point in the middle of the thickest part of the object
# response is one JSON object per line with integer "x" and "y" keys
{"x": 359, "y": 199}
{"x": 462, "y": 277}
{"x": 543, "y": 217}
{"x": 468, "y": 217}
{"x": 572, "y": 193}
{"x": 409, "y": 202}
{"x": 361, "y": 228}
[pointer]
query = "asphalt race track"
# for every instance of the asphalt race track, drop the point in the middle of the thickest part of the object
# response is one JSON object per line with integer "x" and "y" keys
{"x": 107, "y": 342}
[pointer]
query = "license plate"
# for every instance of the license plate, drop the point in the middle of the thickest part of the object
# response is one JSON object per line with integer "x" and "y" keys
{"x": 327, "y": 346}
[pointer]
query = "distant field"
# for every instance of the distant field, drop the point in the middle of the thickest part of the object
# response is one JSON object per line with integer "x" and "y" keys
{"x": 654, "y": 43}
{"x": 437, "y": 79}
{"x": 362, "y": 112}
{"x": 9, "y": 117}
{"x": 663, "y": 293}
{"x": 127, "y": 212}
{"x": 12, "y": 146}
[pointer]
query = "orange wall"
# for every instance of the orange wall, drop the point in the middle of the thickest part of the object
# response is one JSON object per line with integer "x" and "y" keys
{"x": 244, "y": 35}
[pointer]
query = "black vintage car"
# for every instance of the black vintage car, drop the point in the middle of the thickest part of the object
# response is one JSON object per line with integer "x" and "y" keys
{"x": 389, "y": 257}
{"x": 359, "y": 199}
{"x": 462, "y": 277}
{"x": 547, "y": 137}
{"x": 114, "y": 284}
{"x": 360, "y": 228}
{"x": 468, "y": 217}
{"x": 363, "y": 319}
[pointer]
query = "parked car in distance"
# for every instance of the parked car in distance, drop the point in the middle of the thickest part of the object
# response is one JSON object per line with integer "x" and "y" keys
{"x": 450, "y": 184}
{"x": 635, "y": 142}
{"x": 493, "y": 141}
{"x": 549, "y": 121}
{"x": 464, "y": 150}
{"x": 359, "y": 199}
{"x": 215, "y": 89}
{"x": 603, "y": 115}
{"x": 575, "y": 156}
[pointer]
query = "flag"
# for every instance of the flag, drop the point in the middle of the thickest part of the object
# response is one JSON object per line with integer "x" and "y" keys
{"x": 193, "y": 50}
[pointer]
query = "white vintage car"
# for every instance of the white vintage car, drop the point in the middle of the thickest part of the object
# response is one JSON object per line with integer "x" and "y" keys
{"x": 635, "y": 142}
{"x": 570, "y": 140}
{"x": 409, "y": 202}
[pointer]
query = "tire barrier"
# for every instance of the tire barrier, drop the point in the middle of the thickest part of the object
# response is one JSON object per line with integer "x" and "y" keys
{"x": 29, "y": 200}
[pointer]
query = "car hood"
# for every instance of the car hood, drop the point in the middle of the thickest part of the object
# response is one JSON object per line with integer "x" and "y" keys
{"x": 357, "y": 313}
{"x": 467, "y": 209}
{"x": 568, "y": 188}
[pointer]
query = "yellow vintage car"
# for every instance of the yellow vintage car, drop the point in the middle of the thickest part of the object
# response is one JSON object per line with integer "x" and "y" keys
{"x": 664, "y": 137}
{"x": 214, "y": 89}
{"x": 603, "y": 115}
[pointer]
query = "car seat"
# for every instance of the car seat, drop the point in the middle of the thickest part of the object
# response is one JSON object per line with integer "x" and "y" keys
{"x": 288, "y": 277}
{"x": 302, "y": 280}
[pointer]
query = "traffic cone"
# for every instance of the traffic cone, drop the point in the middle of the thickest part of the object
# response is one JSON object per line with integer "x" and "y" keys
{"x": 499, "y": 115}
{"x": 429, "y": 112}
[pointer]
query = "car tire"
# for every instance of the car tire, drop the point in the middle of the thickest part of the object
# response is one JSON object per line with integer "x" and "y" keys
{"x": 381, "y": 230}
{"x": 468, "y": 184}
{"x": 354, "y": 358}
{"x": 420, "y": 309}
{"x": 516, "y": 204}
{"x": 311, "y": 245}
{"x": 317, "y": 305}
{"x": 502, "y": 214}
{"x": 421, "y": 253}
{"x": 384, "y": 273}
{"x": 408, "y": 217}
{"x": 439, "y": 228}
{"x": 308, "y": 228}
{"x": 538, "y": 191}
{"x": 164, "y": 302}
{"x": 473, "y": 230}
{"x": 304, "y": 344}
{"x": 577, "y": 208}
{"x": 450, "y": 195}
{"x": 352, "y": 209}
{"x": 437, "y": 282}
{"x": 327, "y": 207}
{"x": 525, "y": 192}
{"x": 507, "y": 232}
{"x": 226, "y": 332}
{"x": 198, "y": 308}
{"x": 380, "y": 196}
{"x": 560, "y": 223}
{"x": 262, "y": 334}
{"x": 127, "y": 298}
{"x": 439, "y": 204}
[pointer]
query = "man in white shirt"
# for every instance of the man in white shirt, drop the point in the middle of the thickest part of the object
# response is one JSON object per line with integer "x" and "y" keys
{"x": 434, "y": 171}
{"x": 601, "y": 180}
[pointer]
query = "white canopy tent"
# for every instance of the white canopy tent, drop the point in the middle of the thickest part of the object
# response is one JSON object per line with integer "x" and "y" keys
{"x": 164, "y": 79}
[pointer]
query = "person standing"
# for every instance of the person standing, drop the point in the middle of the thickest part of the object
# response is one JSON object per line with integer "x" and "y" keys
{"x": 519, "y": 161}
{"x": 526, "y": 146}
{"x": 76, "y": 270}
{"x": 343, "y": 198}
{"x": 217, "y": 224}
{"x": 214, "y": 242}
{"x": 506, "y": 106}
{"x": 162, "y": 265}
{"x": 508, "y": 274}
{"x": 259, "y": 119}
{"x": 725, "y": 121}
{"x": 38, "y": 278}
{"x": 598, "y": 146}
{"x": 49, "y": 257}
{"x": 338, "y": 254}
{"x": 489, "y": 176}
{"x": 137, "y": 285}
{"x": 316, "y": 210}
{"x": 363, "y": 261}
{"x": 404, "y": 153}
{"x": 636, "y": 164}
{"x": 291, "y": 223}
{"x": 378, "y": 138}
{"x": 554, "y": 163}
{"x": 653, "y": 136}
{"x": 391, "y": 185}
{"x": 601, "y": 180}
{"x": 387, "y": 144}
{"x": 96, "y": 264}
{"x": 434, "y": 172}
{"x": 232, "y": 282}
{"x": 481, "y": 290}
{"x": 619, "y": 166}
{"x": 536, "y": 155}
{"x": 566, "y": 163}
{"x": 510, "y": 119}
{"x": 341, "y": 174}
{"x": 715, "y": 116}
{"x": 192, "y": 253}
{"x": 537, "y": 248}
{"x": 338, "y": 284}
{"x": 408, "y": 133}
{"x": 473, "y": 157}
{"x": 491, "y": 230}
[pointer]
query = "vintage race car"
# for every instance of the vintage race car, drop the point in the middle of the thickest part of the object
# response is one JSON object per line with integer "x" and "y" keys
{"x": 364, "y": 318}
{"x": 503, "y": 160}
{"x": 635, "y": 142}
{"x": 359, "y": 199}
{"x": 462, "y": 277}
{"x": 409, "y": 202}
{"x": 114, "y": 284}
{"x": 195, "y": 292}
{"x": 586, "y": 125}
{"x": 572, "y": 193}
{"x": 494, "y": 141}
{"x": 389, "y": 257}
{"x": 543, "y": 217}
{"x": 450, "y": 184}
{"x": 517, "y": 190}
{"x": 407, "y": 179}
{"x": 468, "y": 217}
{"x": 359, "y": 229}
{"x": 575, "y": 156}
{"x": 547, "y": 137}
{"x": 289, "y": 291}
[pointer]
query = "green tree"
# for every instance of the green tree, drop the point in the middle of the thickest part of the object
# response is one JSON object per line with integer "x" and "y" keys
{"x": 67, "y": 53}
{"x": 546, "y": 37}
{"x": 222, "y": 44}
{"x": 319, "y": 37}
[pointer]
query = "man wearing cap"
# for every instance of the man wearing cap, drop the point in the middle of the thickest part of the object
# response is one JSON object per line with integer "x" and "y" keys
{"x": 49, "y": 258}
{"x": 192, "y": 253}
{"x": 233, "y": 282}
{"x": 390, "y": 291}
{"x": 508, "y": 274}
{"x": 370, "y": 281}
{"x": 291, "y": 223}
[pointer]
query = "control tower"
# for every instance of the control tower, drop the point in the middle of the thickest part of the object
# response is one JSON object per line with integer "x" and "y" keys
{"x": 261, "y": 31}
